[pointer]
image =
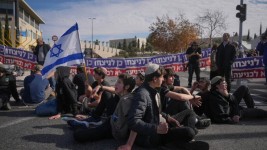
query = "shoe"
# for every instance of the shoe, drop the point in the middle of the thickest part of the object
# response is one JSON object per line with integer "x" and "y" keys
{"x": 195, "y": 145}
{"x": 94, "y": 121}
{"x": 203, "y": 123}
{"x": 6, "y": 106}
{"x": 189, "y": 86}
{"x": 78, "y": 124}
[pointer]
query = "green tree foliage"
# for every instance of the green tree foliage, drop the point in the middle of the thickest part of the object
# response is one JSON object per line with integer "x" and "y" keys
{"x": 260, "y": 29}
{"x": 124, "y": 45}
{"x": 97, "y": 42}
{"x": 119, "y": 46}
{"x": 7, "y": 33}
{"x": 172, "y": 35}
{"x": 248, "y": 36}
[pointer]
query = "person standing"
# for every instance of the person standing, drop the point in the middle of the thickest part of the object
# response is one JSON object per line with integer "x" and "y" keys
{"x": 213, "y": 66}
{"x": 193, "y": 55}
{"x": 41, "y": 50}
{"x": 262, "y": 48}
{"x": 225, "y": 57}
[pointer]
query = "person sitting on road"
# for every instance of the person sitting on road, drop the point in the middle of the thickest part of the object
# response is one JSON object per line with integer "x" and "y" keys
{"x": 174, "y": 107}
{"x": 224, "y": 107}
{"x": 66, "y": 93}
{"x": 99, "y": 75}
{"x": 79, "y": 80}
{"x": 203, "y": 87}
{"x": 36, "y": 89}
{"x": 116, "y": 125}
{"x": 146, "y": 117}
{"x": 7, "y": 88}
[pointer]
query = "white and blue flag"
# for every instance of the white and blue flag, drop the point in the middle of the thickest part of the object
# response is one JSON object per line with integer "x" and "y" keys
{"x": 65, "y": 52}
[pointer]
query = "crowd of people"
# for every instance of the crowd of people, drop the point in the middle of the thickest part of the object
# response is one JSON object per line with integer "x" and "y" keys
{"x": 150, "y": 109}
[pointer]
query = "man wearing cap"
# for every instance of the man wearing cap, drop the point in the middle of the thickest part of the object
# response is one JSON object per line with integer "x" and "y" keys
{"x": 7, "y": 87}
{"x": 224, "y": 107}
{"x": 146, "y": 117}
{"x": 193, "y": 55}
{"x": 36, "y": 89}
{"x": 225, "y": 57}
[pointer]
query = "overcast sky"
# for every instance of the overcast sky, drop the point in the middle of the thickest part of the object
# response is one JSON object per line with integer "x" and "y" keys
{"x": 117, "y": 19}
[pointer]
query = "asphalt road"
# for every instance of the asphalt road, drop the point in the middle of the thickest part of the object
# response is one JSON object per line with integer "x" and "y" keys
{"x": 20, "y": 129}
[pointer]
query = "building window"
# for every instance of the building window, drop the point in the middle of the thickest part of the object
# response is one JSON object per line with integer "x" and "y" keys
{"x": 37, "y": 26}
{"x": 26, "y": 17}
{"x": 33, "y": 35}
{"x": 20, "y": 12}
{"x": 32, "y": 21}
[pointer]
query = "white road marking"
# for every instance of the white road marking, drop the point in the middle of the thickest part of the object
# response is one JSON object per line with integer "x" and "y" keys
{"x": 16, "y": 122}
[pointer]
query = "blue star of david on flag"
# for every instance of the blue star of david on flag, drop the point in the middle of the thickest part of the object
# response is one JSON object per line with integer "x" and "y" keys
{"x": 56, "y": 50}
{"x": 65, "y": 52}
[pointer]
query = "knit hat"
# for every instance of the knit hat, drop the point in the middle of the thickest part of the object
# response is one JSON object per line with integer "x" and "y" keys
{"x": 215, "y": 79}
{"x": 151, "y": 68}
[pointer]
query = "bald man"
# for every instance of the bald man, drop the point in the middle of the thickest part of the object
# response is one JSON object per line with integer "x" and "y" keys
{"x": 41, "y": 50}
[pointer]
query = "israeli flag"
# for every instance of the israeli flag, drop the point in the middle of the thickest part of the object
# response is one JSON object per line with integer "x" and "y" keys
{"x": 66, "y": 52}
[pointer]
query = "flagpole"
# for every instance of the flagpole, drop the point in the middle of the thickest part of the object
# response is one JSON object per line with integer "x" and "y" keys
{"x": 85, "y": 70}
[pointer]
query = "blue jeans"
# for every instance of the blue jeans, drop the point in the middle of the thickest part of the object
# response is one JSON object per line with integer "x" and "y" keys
{"x": 52, "y": 83}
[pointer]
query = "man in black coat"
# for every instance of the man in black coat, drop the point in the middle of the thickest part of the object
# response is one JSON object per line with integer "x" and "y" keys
{"x": 193, "y": 55}
{"x": 41, "y": 50}
{"x": 225, "y": 57}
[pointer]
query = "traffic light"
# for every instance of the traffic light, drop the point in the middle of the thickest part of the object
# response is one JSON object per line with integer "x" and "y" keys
{"x": 242, "y": 12}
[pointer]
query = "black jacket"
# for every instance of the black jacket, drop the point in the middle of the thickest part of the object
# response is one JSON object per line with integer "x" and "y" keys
{"x": 8, "y": 86}
{"x": 46, "y": 48}
{"x": 221, "y": 108}
{"x": 66, "y": 92}
{"x": 225, "y": 55}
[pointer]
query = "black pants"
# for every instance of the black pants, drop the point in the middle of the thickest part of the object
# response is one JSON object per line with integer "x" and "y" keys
{"x": 253, "y": 113}
{"x": 243, "y": 92}
{"x": 226, "y": 73}
{"x": 4, "y": 99}
{"x": 106, "y": 104}
{"x": 191, "y": 69}
{"x": 175, "y": 134}
{"x": 94, "y": 134}
{"x": 213, "y": 74}
{"x": 175, "y": 106}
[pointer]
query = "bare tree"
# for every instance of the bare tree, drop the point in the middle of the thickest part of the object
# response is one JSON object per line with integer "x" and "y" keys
{"x": 213, "y": 22}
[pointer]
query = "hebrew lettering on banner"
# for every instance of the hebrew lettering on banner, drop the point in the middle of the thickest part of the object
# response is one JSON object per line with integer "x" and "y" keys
{"x": 250, "y": 73}
{"x": 114, "y": 66}
{"x": 22, "y": 58}
{"x": 251, "y": 67}
{"x": 2, "y": 54}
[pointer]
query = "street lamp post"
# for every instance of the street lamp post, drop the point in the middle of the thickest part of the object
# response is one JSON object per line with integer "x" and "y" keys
{"x": 92, "y": 35}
